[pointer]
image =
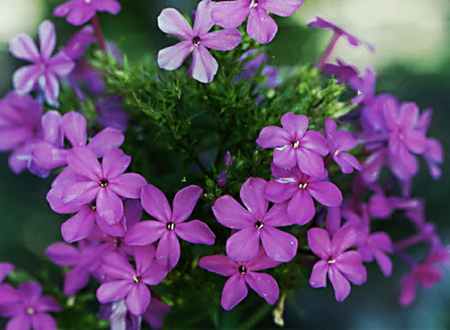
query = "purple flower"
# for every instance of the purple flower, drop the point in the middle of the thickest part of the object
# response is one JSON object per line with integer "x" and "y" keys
{"x": 103, "y": 184}
{"x": 324, "y": 24}
{"x": 171, "y": 224}
{"x": 365, "y": 86}
{"x": 79, "y": 12}
{"x": 154, "y": 314}
{"x": 74, "y": 128}
{"x": 425, "y": 274}
{"x": 77, "y": 45}
{"x": 84, "y": 260}
{"x": 342, "y": 71}
{"x": 241, "y": 274}
{"x": 299, "y": 190}
{"x": 294, "y": 145}
{"x": 340, "y": 265}
{"x": 260, "y": 26}
{"x": 5, "y": 269}
{"x": 111, "y": 113}
{"x": 129, "y": 283}
{"x": 255, "y": 224}
{"x": 30, "y": 309}
{"x": 45, "y": 69}
{"x": 195, "y": 40}
{"x": 339, "y": 141}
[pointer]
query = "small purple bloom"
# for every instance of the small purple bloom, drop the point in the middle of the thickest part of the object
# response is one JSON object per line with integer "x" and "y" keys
{"x": 5, "y": 269}
{"x": 170, "y": 224}
{"x": 30, "y": 309}
{"x": 129, "y": 283}
{"x": 222, "y": 179}
{"x": 342, "y": 71}
{"x": 339, "y": 141}
{"x": 260, "y": 26}
{"x": 299, "y": 190}
{"x": 195, "y": 40}
{"x": 103, "y": 184}
{"x": 255, "y": 224}
{"x": 79, "y": 12}
{"x": 294, "y": 145}
{"x": 365, "y": 86}
{"x": 340, "y": 265}
{"x": 111, "y": 113}
{"x": 241, "y": 274}
{"x": 77, "y": 45}
{"x": 45, "y": 69}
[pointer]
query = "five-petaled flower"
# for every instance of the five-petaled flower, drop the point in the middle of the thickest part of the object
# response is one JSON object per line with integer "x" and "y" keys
{"x": 79, "y": 12}
{"x": 45, "y": 69}
{"x": 195, "y": 40}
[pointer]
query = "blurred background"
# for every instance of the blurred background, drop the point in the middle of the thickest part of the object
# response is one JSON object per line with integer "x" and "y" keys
{"x": 412, "y": 59}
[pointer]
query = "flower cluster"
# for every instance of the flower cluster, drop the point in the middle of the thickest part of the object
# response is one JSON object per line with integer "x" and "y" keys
{"x": 310, "y": 198}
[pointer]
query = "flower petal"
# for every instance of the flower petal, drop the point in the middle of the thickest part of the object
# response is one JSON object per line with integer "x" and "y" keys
{"x": 234, "y": 291}
{"x": 219, "y": 264}
{"x": 170, "y": 21}
{"x": 203, "y": 21}
{"x": 318, "y": 277}
{"x": 301, "y": 207}
{"x": 79, "y": 226}
{"x": 279, "y": 245}
{"x": 340, "y": 284}
{"x": 145, "y": 233}
{"x": 107, "y": 139}
{"x": 23, "y": 47}
{"x": 319, "y": 242}
{"x": 230, "y": 14}
{"x": 203, "y": 65}
{"x": 184, "y": 202}
{"x": 113, "y": 291}
{"x": 128, "y": 185}
{"x": 264, "y": 285}
{"x": 47, "y": 38}
{"x": 222, "y": 40}
{"x": 155, "y": 203}
{"x": 168, "y": 250}
{"x": 109, "y": 206}
{"x": 171, "y": 58}
{"x": 138, "y": 299}
{"x": 25, "y": 78}
{"x": 283, "y": 8}
{"x": 326, "y": 193}
{"x": 74, "y": 127}
{"x": 83, "y": 162}
{"x": 252, "y": 194}
{"x": 273, "y": 137}
{"x": 231, "y": 214}
{"x": 196, "y": 232}
{"x": 260, "y": 26}
{"x": 243, "y": 245}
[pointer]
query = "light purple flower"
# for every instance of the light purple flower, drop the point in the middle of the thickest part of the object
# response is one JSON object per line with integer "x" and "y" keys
{"x": 241, "y": 274}
{"x": 255, "y": 224}
{"x": 79, "y": 12}
{"x": 342, "y": 71}
{"x": 294, "y": 145}
{"x": 365, "y": 87}
{"x": 103, "y": 184}
{"x": 5, "y": 269}
{"x": 30, "y": 309}
{"x": 170, "y": 224}
{"x": 129, "y": 283}
{"x": 195, "y": 40}
{"x": 340, "y": 265}
{"x": 260, "y": 26}
{"x": 339, "y": 141}
{"x": 45, "y": 69}
{"x": 299, "y": 190}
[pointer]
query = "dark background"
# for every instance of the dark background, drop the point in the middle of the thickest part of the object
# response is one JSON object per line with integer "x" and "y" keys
{"x": 415, "y": 67}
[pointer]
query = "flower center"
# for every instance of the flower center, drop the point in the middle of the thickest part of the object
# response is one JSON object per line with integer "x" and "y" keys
{"x": 242, "y": 269}
{"x": 303, "y": 185}
{"x": 87, "y": 1}
{"x": 137, "y": 279}
{"x": 103, "y": 183}
{"x": 117, "y": 242}
{"x": 196, "y": 40}
{"x": 170, "y": 226}
{"x": 92, "y": 206}
{"x": 30, "y": 311}
{"x": 259, "y": 224}
{"x": 254, "y": 3}
{"x": 337, "y": 152}
{"x": 331, "y": 261}
{"x": 295, "y": 144}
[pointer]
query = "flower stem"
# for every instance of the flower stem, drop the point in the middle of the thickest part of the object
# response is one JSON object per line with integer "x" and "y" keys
{"x": 329, "y": 49}
{"x": 98, "y": 33}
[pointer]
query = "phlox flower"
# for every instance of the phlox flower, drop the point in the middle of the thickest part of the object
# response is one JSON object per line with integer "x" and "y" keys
{"x": 339, "y": 141}
{"x": 426, "y": 274}
{"x": 298, "y": 190}
{"x": 342, "y": 71}
{"x": 196, "y": 40}
{"x": 294, "y": 145}
{"x": 79, "y": 12}
{"x": 29, "y": 309}
{"x": 260, "y": 26}
{"x": 170, "y": 224}
{"x": 242, "y": 274}
{"x": 103, "y": 184}
{"x": 45, "y": 70}
{"x": 339, "y": 265}
{"x": 5, "y": 269}
{"x": 255, "y": 224}
{"x": 123, "y": 281}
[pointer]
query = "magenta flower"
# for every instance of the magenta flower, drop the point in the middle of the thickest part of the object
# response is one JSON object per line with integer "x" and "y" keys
{"x": 341, "y": 71}
{"x": 365, "y": 86}
{"x": 340, "y": 265}
{"x": 241, "y": 274}
{"x": 129, "y": 283}
{"x": 294, "y": 145}
{"x": 103, "y": 184}
{"x": 5, "y": 269}
{"x": 426, "y": 274}
{"x": 299, "y": 190}
{"x": 170, "y": 224}
{"x": 255, "y": 224}
{"x": 30, "y": 309}
{"x": 45, "y": 70}
{"x": 195, "y": 40}
{"x": 79, "y": 12}
{"x": 339, "y": 141}
{"x": 260, "y": 26}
